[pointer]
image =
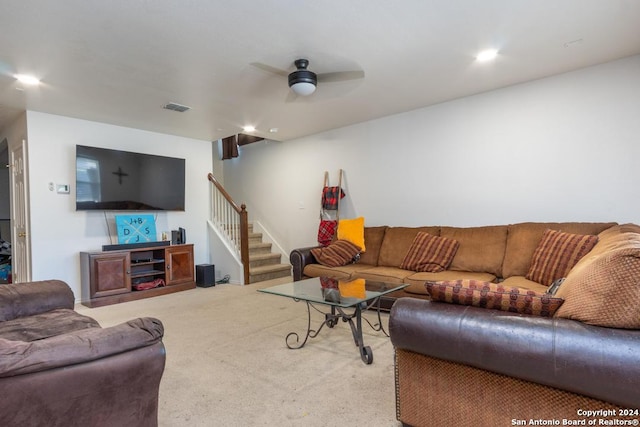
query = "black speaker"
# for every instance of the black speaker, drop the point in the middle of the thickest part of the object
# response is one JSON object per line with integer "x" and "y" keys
{"x": 205, "y": 275}
{"x": 179, "y": 236}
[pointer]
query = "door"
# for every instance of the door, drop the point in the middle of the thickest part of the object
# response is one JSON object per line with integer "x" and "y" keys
{"x": 20, "y": 238}
{"x": 179, "y": 264}
{"x": 110, "y": 274}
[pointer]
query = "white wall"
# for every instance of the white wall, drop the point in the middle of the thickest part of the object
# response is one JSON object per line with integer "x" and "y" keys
{"x": 563, "y": 148}
{"x": 59, "y": 233}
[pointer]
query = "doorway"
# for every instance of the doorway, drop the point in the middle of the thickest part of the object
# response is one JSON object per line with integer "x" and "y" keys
{"x": 5, "y": 214}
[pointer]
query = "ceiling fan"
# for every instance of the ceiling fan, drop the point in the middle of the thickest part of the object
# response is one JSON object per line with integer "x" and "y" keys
{"x": 303, "y": 81}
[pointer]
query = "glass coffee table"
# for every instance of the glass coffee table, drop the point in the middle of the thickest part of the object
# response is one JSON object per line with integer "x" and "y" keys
{"x": 341, "y": 300}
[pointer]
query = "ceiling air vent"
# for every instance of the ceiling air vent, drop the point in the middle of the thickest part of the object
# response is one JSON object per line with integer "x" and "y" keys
{"x": 176, "y": 107}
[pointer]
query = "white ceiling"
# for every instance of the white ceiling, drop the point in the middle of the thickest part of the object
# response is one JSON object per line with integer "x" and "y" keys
{"x": 120, "y": 61}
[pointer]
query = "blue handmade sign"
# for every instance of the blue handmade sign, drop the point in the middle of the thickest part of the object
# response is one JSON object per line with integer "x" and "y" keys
{"x": 136, "y": 228}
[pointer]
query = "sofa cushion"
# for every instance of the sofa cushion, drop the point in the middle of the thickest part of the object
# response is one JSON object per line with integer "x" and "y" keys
{"x": 618, "y": 236}
{"x": 523, "y": 238}
{"x": 373, "y": 239}
{"x": 383, "y": 274}
{"x": 397, "y": 241}
{"x": 429, "y": 253}
{"x": 353, "y": 231}
{"x": 524, "y": 283}
{"x": 342, "y": 272}
{"x": 604, "y": 287}
{"x": 495, "y": 296}
{"x": 45, "y": 325}
{"x": 340, "y": 252}
{"x": 481, "y": 248}
{"x": 556, "y": 254}
{"x": 416, "y": 281}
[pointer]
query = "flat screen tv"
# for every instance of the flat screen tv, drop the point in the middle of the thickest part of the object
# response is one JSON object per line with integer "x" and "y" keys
{"x": 126, "y": 181}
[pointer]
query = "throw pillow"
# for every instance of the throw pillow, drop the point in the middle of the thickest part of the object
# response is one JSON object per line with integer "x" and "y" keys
{"x": 353, "y": 231}
{"x": 556, "y": 254}
{"x": 338, "y": 253}
{"x": 353, "y": 289}
{"x": 606, "y": 292}
{"x": 430, "y": 253}
{"x": 493, "y": 295}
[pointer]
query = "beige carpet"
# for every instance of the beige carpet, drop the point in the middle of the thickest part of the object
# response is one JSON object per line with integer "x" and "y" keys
{"x": 228, "y": 365}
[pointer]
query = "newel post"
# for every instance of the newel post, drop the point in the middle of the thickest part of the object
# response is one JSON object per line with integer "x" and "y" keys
{"x": 244, "y": 242}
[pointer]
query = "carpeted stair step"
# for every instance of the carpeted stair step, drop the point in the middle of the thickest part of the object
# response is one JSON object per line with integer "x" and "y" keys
{"x": 255, "y": 238}
{"x": 259, "y": 248}
{"x": 260, "y": 260}
{"x": 268, "y": 272}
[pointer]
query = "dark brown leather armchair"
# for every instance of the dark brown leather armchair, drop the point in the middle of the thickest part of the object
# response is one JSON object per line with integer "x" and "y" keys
{"x": 60, "y": 368}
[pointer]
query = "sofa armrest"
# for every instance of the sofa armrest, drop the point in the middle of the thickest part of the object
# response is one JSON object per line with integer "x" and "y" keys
{"x": 20, "y": 357}
{"x": 26, "y": 299}
{"x": 603, "y": 363}
{"x": 299, "y": 259}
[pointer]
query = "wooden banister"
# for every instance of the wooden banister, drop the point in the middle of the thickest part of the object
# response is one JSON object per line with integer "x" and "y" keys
{"x": 224, "y": 192}
{"x": 243, "y": 224}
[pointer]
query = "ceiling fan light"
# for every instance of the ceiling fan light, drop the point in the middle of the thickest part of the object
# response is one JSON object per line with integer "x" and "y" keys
{"x": 302, "y": 81}
{"x": 303, "y": 88}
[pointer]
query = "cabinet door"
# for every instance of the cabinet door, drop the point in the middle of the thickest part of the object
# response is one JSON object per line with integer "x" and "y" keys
{"x": 179, "y": 264}
{"x": 110, "y": 273}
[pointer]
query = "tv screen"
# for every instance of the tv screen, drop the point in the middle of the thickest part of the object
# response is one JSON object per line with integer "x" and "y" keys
{"x": 121, "y": 180}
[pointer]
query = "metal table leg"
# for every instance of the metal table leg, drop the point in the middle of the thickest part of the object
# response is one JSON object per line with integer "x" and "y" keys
{"x": 331, "y": 319}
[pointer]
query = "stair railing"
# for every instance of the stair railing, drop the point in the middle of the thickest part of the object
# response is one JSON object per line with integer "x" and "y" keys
{"x": 232, "y": 221}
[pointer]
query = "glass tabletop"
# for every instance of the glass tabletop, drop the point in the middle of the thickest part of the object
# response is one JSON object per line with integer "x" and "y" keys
{"x": 328, "y": 291}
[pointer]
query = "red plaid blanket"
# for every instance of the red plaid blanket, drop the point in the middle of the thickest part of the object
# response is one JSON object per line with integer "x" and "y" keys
{"x": 330, "y": 197}
{"x": 326, "y": 230}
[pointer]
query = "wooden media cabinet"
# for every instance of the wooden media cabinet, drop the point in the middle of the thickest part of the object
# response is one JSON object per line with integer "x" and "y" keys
{"x": 108, "y": 277}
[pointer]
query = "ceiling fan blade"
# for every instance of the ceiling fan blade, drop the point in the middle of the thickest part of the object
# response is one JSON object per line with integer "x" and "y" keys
{"x": 340, "y": 76}
{"x": 270, "y": 69}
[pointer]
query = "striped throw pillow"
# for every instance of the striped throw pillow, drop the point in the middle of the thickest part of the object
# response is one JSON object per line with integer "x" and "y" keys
{"x": 430, "y": 253}
{"x": 338, "y": 253}
{"x": 493, "y": 295}
{"x": 556, "y": 254}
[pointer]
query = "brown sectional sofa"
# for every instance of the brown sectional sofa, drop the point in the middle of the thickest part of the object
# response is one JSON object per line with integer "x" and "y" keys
{"x": 470, "y": 366}
{"x": 491, "y": 253}
{"x": 60, "y": 368}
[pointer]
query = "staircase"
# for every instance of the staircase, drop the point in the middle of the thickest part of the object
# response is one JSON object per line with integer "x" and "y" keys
{"x": 263, "y": 264}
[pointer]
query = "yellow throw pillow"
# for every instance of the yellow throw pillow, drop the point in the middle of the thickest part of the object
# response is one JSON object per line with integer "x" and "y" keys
{"x": 353, "y": 231}
{"x": 353, "y": 289}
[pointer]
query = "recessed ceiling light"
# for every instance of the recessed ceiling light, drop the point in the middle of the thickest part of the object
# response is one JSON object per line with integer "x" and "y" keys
{"x": 249, "y": 128}
{"x": 273, "y": 130}
{"x": 26, "y": 79}
{"x": 487, "y": 55}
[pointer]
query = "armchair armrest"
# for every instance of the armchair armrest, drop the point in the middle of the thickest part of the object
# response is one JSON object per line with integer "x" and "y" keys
{"x": 26, "y": 299}
{"x": 603, "y": 363}
{"x": 21, "y": 357}
{"x": 299, "y": 259}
